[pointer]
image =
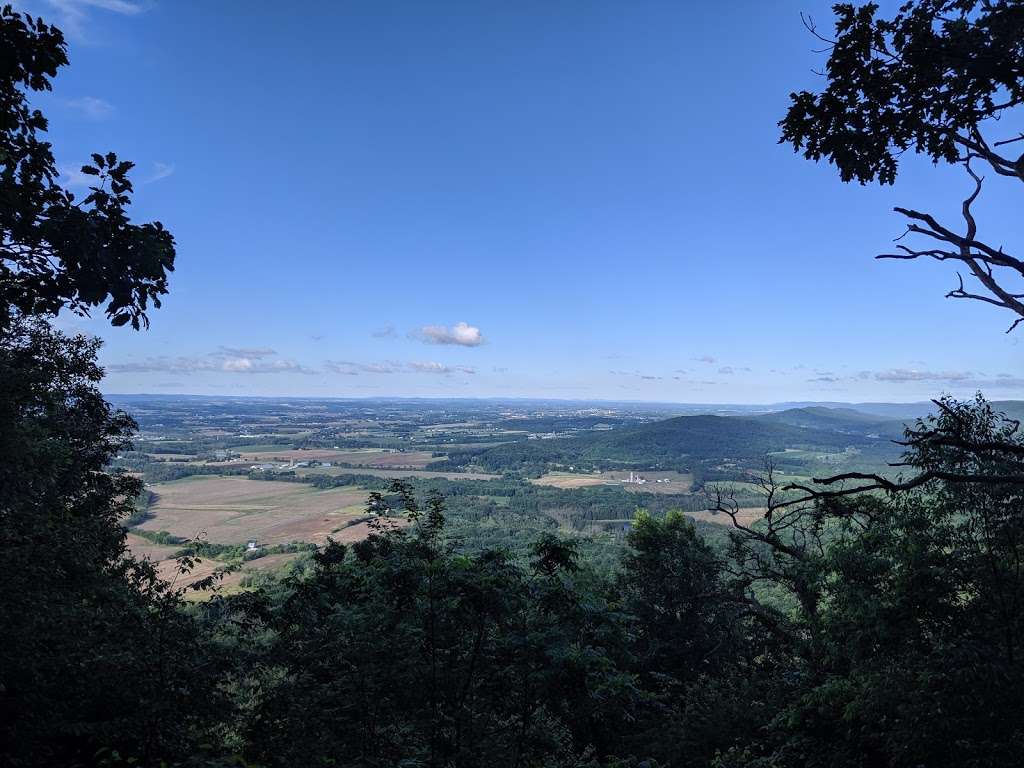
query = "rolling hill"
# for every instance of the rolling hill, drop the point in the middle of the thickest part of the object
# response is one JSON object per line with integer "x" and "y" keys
{"x": 841, "y": 420}
{"x": 685, "y": 441}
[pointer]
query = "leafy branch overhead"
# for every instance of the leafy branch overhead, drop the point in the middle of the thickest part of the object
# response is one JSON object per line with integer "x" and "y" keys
{"x": 937, "y": 79}
{"x": 56, "y": 251}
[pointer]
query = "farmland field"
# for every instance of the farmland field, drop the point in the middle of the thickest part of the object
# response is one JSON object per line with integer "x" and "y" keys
{"x": 477, "y": 446}
{"x": 145, "y": 549}
{"x": 233, "y": 510}
{"x": 369, "y": 458}
{"x": 745, "y": 515}
{"x": 167, "y": 567}
{"x": 162, "y": 556}
{"x": 736, "y": 486}
{"x": 392, "y": 473}
{"x": 671, "y": 482}
{"x": 571, "y": 480}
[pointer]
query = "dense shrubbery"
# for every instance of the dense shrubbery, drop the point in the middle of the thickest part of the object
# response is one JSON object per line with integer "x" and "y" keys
{"x": 94, "y": 651}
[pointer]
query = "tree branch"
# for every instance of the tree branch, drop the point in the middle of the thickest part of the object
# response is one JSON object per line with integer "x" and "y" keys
{"x": 981, "y": 259}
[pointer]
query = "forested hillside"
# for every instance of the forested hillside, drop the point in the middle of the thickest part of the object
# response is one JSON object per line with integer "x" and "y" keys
{"x": 842, "y": 420}
{"x": 687, "y": 443}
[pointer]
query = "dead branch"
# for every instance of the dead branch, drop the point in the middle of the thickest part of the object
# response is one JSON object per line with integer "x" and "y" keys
{"x": 981, "y": 259}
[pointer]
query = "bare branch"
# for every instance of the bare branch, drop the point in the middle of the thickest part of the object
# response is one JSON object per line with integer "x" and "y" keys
{"x": 976, "y": 144}
{"x": 980, "y": 258}
{"x": 1009, "y": 141}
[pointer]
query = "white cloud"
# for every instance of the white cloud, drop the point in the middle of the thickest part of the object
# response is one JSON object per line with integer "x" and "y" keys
{"x": 92, "y": 108}
{"x": 432, "y": 367}
{"x": 387, "y": 332}
{"x": 708, "y": 359}
{"x": 462, "y": 334}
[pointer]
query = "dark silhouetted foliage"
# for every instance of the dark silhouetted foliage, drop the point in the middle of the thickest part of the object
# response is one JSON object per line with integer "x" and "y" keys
{"x": 57, "y": 252}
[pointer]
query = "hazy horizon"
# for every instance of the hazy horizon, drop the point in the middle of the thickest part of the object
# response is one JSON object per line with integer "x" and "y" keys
{"x": 527, "y": 399}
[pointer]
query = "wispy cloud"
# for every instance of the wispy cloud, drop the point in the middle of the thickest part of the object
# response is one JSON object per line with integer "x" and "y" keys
{"x": 387, "y": 332}
{"x": 71, "y": 15}
{"x": 249, "y": 365}
{"x": 92, "y": 108}
{"x": 700, "y": 383}
{"x": 72, "y": 176}
{"x": 463, "y": 334}
{"x": 256, "y": 352}
{"x": 223, "y": 360}
{"x": 902, "y": 375}
{"x": 432, "y": 367}
{"x": 961, "y": 380}
{"x": 160, "y": 171}
{"x": 348, "y": 368}
{"x": 351, "y": 368}
{"x": 637, "y": 374}
{"x": 707, "y": 359}
{"x": 125, "y": 7}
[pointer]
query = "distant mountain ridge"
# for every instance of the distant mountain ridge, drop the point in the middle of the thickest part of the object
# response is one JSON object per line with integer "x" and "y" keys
{"x": 841, "y": 420}
{"x": 696, "y": 439}
{"x": 898, "y": 411}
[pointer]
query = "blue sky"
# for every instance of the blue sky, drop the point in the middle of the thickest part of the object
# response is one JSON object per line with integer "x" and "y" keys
{"x": 534, "y": 199}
